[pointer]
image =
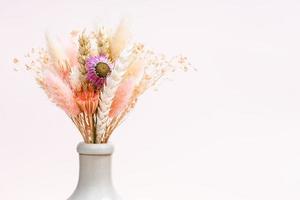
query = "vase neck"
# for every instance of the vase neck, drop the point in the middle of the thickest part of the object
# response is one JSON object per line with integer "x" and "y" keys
{"x": 95, "y": 164}
{"x": 95, "y": 170}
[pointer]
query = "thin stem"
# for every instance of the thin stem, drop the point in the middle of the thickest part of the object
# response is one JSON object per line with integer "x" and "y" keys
{"x": 75, "y": 121}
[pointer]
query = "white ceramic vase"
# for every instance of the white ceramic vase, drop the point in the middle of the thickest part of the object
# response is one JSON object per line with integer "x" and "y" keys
{"x": 95, "y": 181}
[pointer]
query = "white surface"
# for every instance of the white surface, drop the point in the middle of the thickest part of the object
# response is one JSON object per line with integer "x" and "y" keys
{"x": 229, "y": 131}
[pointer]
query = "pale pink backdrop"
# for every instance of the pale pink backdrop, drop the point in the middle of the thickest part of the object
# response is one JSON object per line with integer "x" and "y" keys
{"x": 230, "y": 131}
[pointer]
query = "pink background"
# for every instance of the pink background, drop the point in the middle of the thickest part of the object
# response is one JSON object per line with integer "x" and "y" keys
{"x": 229, "y": 131}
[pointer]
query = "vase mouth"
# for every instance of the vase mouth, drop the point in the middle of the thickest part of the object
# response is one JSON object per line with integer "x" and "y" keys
{"x": 95, "y": 149}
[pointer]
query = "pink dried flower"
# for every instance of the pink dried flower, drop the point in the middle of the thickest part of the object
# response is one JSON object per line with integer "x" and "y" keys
{"x": 87, "y": 100}
{"x": 98, "y": 67}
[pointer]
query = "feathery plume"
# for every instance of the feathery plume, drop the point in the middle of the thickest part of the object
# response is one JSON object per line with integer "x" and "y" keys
{"x": 119, "y": 40}
{"x": 122, "y": 97}
{"x": 59, "y": 93}
{"x": 59, "y": 59}
{"x": 71, "y": 49}
{"x": 103, "y": 42}
{"x": 131, "y": 79}
{"x": 76, "y": 79}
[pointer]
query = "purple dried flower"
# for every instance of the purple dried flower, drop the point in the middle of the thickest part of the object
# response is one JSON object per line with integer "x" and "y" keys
{"x": 98, "y": 68}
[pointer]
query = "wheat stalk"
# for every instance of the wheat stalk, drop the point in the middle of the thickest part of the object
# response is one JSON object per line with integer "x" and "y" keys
{"x": 109, "y": 91}
{"x": 84, "y": 51}
{"x": 102, "y": 42}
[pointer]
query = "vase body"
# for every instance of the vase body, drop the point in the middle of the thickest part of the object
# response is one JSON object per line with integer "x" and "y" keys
{"x": 95, "y": 182}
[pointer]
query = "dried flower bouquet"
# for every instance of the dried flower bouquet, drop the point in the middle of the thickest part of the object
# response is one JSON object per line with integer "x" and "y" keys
{"x": 97, "y": 77}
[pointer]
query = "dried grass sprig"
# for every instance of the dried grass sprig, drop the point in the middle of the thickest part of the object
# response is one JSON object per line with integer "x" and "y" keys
{"x": 158, "y": 66}
{"x": 117, "y": 120}
{"x": 59, "y": 92}
{"x": 106, "y": 98}
{"x": 84, "y": 51}
{"x": 119, "y": 40}
{"x": 103, "y": 42}
{"x": 77, "y": 79}
{"x": 59, "y": 60}
{"x": 131, "y": 79}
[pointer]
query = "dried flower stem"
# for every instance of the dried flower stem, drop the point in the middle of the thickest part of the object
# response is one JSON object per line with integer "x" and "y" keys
{"x": 86, "y": 125}
{"x": 119, "y": 119}
{"x": 78, "y": 122}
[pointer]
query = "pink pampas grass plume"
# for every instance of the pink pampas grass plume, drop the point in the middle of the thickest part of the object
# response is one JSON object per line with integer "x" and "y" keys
{"x": 59, "y": 93}
{"x": 123, "y": 95}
